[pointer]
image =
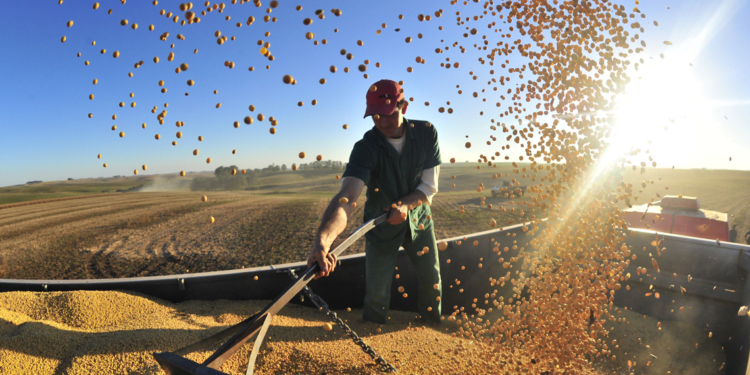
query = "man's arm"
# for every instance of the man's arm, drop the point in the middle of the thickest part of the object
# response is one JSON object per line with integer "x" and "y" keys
{"x": 399, "y": 212}
{"x": 423, "y": 194}
{"x": 429, "y": 182}
{"x": 333, "y": 223}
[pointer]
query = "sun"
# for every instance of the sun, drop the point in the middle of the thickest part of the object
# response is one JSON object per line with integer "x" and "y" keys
{"x": 663, "y": 100}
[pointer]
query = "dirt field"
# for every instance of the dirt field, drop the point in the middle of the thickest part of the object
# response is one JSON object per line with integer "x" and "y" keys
{"x": 152, "y": 233}
{"x": 109, "y": 235}
{"x": 97, "y": 234}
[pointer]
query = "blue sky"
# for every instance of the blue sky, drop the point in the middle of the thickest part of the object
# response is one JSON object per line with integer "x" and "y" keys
{"x": 46, "y": 134}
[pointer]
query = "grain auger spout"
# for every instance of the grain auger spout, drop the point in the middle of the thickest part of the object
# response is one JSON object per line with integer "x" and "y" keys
{"x": 174, "y": 363}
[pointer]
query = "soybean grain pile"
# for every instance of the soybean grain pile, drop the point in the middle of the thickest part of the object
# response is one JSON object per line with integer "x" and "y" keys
{"x": 87, "y": 332}
{"x": 550, "y": 107}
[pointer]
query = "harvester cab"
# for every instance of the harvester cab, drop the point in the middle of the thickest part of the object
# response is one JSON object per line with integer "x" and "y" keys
{"x": 681, "y": 215}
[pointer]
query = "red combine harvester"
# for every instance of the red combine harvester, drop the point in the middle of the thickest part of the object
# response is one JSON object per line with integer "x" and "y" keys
{"x": 679, "y": 215}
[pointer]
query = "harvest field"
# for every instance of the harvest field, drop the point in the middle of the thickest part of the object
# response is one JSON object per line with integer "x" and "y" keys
{"x": 105, "y": 235}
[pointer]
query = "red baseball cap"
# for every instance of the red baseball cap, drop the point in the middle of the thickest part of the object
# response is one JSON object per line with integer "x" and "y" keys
{"x": 382, "y": 97}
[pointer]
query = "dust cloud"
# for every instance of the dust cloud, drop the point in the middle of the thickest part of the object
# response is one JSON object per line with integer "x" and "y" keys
{"x": 164, "y": 184}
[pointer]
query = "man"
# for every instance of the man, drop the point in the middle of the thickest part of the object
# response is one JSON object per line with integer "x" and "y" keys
{"x": 398, "y": 160}
{"x": 733, "y": 233}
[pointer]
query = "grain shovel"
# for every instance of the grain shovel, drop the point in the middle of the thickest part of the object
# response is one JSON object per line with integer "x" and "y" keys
{"x": 174, "y": 363}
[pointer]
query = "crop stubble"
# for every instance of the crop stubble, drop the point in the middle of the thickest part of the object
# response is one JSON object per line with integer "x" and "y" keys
{"x": 148, "y": 234}
{"x": 57, "y": 246}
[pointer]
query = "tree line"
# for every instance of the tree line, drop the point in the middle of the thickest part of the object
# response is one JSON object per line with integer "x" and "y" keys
{"x": 223, "y": 179}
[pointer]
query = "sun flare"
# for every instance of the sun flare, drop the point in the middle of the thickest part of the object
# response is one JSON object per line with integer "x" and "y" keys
{"x": 664, "y": 99}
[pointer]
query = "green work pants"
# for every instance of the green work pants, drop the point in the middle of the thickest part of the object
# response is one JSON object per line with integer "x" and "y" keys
{"x": 380, "y": 272}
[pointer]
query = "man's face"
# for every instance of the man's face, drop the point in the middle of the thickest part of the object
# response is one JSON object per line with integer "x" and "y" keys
{"x": 390, "y": 125}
